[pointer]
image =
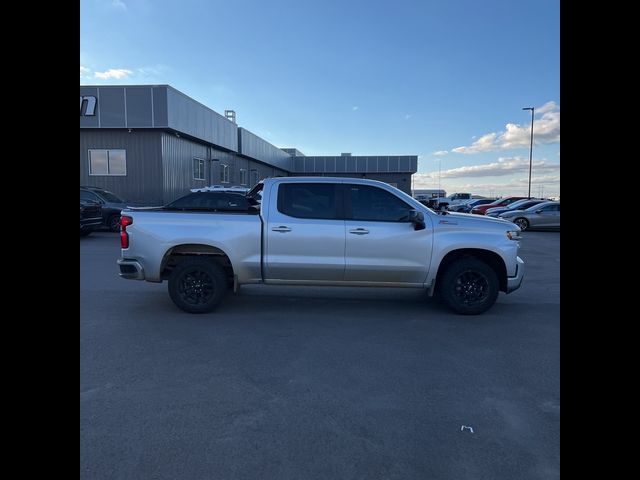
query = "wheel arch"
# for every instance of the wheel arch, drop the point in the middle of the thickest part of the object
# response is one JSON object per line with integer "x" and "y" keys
{"x": 527, "y": 223}
{"x": 178, "y": 253}
{"x": 492, "y": 259}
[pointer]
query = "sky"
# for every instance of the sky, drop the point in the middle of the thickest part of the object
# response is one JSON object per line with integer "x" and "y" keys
{"x": 445, "y": 80}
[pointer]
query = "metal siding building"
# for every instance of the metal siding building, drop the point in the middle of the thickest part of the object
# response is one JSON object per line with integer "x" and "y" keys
{"x": 143, "y": 181}
{"x": 395, "y": 170}
{"x": 152, "y": 143}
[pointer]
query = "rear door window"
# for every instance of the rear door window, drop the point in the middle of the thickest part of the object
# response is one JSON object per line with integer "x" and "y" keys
{"x": 308, "y": 200}
{"x": 91, "y": 197}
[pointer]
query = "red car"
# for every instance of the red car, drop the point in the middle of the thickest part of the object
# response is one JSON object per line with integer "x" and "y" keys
{"x": 501, "y": 202}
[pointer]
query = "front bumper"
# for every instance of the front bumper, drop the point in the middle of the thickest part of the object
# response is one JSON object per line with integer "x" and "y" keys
{"x": 513, "y": 283}
{"x": 131, "y": 269}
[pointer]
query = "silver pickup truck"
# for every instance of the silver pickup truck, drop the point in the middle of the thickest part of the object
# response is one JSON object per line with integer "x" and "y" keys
{"x": 322, "y": 231}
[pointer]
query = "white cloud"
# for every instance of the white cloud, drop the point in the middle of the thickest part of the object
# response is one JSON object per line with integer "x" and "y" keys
{"x": 421, "y": 180}
{"x": 355, "y": 108}
{"x": 544, "y": 185}
{"x": 119, "y": 4}
{"x": 504, "y": 166}
{"x": 485, "y": 143}
{"x": 550, "y": 106}
{"x": 545, "y": 130}
{"x": 150, "y": 71}
{"x": 84, "y": 72}
{"x": 116, "y": 73}
{"x": 440, "y": 153}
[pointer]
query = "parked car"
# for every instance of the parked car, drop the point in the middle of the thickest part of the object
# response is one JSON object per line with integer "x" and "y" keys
{"x": 90, "y": 217}
{"x": 501, "y": 202}
{"x": 519, "y": 205}
{"x": 445, "y": 203}
{"x": 213, "y": 201}
{"x": 543, "y": 215}
{"x": 111, "y": 204}
{"x": 466, "y": 207}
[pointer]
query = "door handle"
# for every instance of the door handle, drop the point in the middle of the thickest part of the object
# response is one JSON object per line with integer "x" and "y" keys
{"x": 359, "y": 231}
{"x": 281, "y": 228}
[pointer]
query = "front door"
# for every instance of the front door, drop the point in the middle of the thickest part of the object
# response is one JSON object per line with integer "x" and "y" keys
{"x": 381, "y": 244}
{"x": 548, "y": 217}
{"x": 305, "y": 240}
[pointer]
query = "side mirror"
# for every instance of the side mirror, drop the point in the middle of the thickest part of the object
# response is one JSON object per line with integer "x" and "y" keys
{"x": 417, "y": 218}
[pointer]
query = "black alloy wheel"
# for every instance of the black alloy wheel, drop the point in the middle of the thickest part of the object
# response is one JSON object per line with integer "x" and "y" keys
{"x": 469, "y": 286}
{"x": 197, "y": 285}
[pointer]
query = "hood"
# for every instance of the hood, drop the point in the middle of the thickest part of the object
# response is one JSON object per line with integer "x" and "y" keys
{"x": 512, "y": 213}
{"x": 472, "y": 221}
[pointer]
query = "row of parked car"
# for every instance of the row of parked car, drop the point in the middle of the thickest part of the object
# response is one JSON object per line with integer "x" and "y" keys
{"x": 523, "y": 211}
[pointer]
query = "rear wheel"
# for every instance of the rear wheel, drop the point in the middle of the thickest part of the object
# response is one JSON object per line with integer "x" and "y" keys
{"x": 469, "y": 286}
{"x": 113, "y": 223}
{"x": 523, "y": 223}
{"x": 197, "y": 285}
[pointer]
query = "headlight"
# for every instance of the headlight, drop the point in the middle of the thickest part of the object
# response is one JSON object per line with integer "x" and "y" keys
{"x": 514, "y": 235}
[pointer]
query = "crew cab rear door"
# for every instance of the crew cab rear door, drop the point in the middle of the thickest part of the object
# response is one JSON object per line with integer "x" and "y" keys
{"x": 305, "y": 233}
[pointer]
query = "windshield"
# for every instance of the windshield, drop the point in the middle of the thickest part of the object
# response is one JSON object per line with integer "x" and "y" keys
{"x": 524, "y": 205}
{"x": 521, "y": 204}
{"x": 537, "y": 206}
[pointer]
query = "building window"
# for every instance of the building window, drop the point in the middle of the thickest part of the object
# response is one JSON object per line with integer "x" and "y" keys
{"x": 243, "y": 176}
{"x": 107, "y": 162}
{"x": 198, "y": 169}
{"x": 224, "y": 173}
{"x": 254, "y": 177}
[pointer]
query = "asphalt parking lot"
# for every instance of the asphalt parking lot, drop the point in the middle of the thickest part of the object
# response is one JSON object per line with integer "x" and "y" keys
{"x": 318, "y": 383}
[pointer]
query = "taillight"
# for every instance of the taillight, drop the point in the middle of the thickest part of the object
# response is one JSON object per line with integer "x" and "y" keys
{"x": 124, "y": 236}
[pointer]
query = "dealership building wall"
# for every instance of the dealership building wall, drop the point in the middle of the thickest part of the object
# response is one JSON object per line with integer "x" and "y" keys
{"x": 151, "y": 144}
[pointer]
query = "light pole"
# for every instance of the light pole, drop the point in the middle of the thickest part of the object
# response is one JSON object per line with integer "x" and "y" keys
{"x": 530, "y": 147}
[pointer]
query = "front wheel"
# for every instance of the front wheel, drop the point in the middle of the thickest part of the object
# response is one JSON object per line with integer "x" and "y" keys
{"x": 469, "y": 286}
{"x": 197, "y": 285}
{"x": 523, "y": 223}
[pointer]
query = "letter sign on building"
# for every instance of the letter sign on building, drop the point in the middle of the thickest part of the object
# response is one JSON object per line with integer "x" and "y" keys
{"x": 90, "y": 102}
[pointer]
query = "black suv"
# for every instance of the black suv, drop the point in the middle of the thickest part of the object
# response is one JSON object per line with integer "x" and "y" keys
{"x": 90, "y": 217}
{"x": 111, "y": 204}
